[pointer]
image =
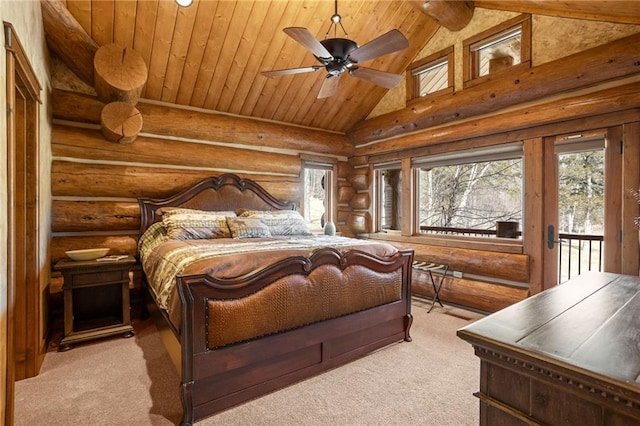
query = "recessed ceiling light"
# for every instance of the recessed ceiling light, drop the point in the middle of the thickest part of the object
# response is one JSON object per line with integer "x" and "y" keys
{"x": 184, "y": 3}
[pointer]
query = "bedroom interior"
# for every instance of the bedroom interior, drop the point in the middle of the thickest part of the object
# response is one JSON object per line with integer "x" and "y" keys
{"x": 110, "y": 103}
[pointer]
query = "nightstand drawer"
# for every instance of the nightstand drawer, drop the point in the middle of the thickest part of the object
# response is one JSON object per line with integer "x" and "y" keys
{"x": 100, "y": 278}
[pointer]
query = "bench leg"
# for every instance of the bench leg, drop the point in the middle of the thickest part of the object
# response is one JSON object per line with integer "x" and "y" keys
{"x": 437, "y": 285}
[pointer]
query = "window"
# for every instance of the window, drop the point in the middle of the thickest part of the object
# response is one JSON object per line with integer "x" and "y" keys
{"x": 388, "y": 197}
{"x": 472, "y": 193}
{"x": 318, "y": 194}
{"x": 431, "y": 74}
{"x": 500, "y": 52}
{"x": 500, "y": 48}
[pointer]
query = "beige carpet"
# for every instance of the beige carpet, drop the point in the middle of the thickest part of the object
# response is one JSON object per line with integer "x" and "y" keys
{"x": 119, "y": 381}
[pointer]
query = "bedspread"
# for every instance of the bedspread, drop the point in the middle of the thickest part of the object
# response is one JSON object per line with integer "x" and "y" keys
{"x": 164, "y": 259}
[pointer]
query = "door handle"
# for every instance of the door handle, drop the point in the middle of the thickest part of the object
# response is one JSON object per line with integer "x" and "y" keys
{"x": 550, "y": 235}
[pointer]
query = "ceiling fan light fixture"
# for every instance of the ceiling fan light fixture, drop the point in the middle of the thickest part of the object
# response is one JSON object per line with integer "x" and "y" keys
{"x": 339, "y": 47}
{"x": 342, "y": 55}
{"x": 184, "y": 3}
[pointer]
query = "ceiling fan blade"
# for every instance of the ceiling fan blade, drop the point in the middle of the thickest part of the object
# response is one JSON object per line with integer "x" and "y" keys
{"x": 381, "y": 78}
{"x": 289, "y": 71}
{"x": 329, "y": 86}
{"x": 387, "y": 43}
{"x": 307, "y": 39}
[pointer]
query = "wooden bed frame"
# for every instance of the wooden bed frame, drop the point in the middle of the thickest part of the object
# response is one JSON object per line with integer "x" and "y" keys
{"x": 219, "y": 378}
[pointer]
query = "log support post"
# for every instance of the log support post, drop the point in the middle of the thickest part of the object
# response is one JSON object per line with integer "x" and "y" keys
{"x": 67, "y": 39}
{"x": 120, "y": 74}
{"x": 453, "y": 15}
{"x": 120, "y": 122}
{"x": 117, "y": 73}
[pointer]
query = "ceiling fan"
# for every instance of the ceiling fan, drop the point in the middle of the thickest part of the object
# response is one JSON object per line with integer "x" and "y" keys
{"x": 339, "y": 55}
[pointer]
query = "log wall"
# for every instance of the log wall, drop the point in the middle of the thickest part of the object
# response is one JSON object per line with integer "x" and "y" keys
{"x": 493, "y": 274}
{"x": 614, "y": 60}
{"x": 95, "y": 182}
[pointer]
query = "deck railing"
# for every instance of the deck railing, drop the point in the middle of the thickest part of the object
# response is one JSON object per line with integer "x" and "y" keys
{"x": 577, "y": 252}
{"x": 443, "y": 230}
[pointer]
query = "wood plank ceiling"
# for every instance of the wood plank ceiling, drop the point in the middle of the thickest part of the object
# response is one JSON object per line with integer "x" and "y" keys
{"x": 210, "y": 55}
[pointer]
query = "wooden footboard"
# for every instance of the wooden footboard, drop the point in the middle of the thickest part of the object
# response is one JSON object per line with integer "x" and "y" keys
{"x": 216, "y": 375}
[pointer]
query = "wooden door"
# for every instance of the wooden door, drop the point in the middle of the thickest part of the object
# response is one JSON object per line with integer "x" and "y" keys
{"x": 26, "y": 325}
{"x": 23, "y": 236}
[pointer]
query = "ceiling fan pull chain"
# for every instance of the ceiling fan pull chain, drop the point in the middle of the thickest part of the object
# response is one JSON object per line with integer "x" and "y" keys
{"x": 335, "y": 19}
{"x": 326, "y": 35}
{"x": 345, "y": 31}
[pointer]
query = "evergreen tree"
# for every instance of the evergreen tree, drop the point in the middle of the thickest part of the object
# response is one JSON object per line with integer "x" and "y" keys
{"x": 581, "y": 192}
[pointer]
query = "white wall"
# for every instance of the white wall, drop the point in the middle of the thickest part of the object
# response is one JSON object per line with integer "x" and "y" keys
{"x": 26, "y": 18}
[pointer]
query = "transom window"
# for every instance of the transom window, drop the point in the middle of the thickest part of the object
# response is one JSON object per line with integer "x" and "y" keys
{"x": 431, "y": 74}
{"x": 432, "y": 78}
{"x": 498, "y": 52}
{"x": 500, "y": 48}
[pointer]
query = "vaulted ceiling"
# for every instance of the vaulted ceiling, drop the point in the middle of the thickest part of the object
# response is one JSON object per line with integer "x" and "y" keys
{"x": 210, "y": 55}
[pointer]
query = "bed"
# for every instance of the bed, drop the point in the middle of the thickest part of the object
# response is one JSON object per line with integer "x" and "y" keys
{"x": 252, "y": 315}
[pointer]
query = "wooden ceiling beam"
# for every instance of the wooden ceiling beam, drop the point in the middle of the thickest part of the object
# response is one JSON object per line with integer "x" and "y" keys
{"x": 624, "y": 12}
{"x": 163, "y": 119}
{"x": 453, "y": 15}
{"x": 66, "y": 37}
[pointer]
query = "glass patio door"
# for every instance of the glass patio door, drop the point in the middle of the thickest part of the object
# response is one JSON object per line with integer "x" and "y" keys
{"x": 581, "y": 205}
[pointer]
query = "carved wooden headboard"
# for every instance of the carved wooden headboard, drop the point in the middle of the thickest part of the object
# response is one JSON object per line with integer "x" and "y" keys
{"x": 226, "y": 192}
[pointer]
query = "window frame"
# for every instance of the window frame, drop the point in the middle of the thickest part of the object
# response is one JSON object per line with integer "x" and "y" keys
{"x": 479, "y": 154}
{"x": 377, "y": 195}
{"x": 470, "y": 57}
{"x": 414, "y": 69}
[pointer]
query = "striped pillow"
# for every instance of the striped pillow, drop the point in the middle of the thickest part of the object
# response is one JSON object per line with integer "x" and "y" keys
{"x": 242, "y": 227}
{"x": 189, "y": 224}
{"x": 280, "y": 222}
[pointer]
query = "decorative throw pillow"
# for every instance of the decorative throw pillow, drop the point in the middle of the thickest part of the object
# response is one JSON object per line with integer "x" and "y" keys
{"x": 280, "y": 222}
{"x": 166, "y": 211}
{"x": 190, "y": 224}
{"x": 242, "y": 227}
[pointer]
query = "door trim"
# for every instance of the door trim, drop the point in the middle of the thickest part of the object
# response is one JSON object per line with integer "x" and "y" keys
{"x": 22, "y": 187}
{"x": 551, "y": 206}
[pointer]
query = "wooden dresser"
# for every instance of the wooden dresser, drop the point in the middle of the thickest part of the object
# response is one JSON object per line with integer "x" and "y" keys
{"x": 567, "y": 356}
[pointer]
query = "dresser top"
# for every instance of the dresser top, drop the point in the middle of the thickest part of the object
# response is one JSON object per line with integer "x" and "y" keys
{"x": 589, "y": 324}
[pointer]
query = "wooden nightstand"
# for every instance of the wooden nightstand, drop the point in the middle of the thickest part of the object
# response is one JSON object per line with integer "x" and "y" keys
{"x": 96, "y": 299}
